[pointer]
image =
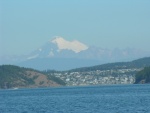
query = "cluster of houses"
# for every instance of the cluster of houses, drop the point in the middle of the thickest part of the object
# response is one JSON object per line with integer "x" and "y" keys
{"x": 98, "y": 77}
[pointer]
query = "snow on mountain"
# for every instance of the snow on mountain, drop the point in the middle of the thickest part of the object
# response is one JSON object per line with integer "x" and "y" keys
{"x": 63, "y": 44}
{"x": 58, "y": 47}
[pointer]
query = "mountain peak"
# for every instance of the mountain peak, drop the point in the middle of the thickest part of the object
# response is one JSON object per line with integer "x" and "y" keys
{"x": 63, "y": 44}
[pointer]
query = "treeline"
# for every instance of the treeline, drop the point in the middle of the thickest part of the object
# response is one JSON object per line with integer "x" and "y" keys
{"x": 143, "y": 76}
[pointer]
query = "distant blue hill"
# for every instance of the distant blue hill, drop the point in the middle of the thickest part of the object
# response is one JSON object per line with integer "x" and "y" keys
{"x": 139, "y": 63}
{"x": 60, "y": 64}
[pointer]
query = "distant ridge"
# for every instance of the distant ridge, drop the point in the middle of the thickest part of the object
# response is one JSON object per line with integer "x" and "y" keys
{"x": 139, "y": 63}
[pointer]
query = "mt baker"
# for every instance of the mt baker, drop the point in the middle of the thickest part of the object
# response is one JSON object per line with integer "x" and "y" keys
{"x": 60, "y": 54}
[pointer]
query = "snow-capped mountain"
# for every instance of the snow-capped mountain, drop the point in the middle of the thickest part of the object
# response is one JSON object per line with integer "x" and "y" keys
{"x": 59, "y": 47}
{"x": 60, "y": 54}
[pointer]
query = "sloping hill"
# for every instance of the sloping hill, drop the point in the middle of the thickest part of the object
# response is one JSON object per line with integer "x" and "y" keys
{"x": 139, "y": 63}
{"x": 13, "y": 76}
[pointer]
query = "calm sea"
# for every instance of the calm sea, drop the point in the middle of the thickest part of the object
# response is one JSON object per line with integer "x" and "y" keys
{"x": 92, "y": 99}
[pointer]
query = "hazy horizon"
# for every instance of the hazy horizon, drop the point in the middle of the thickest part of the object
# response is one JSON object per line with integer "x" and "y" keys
{"x": 27, "y": 25}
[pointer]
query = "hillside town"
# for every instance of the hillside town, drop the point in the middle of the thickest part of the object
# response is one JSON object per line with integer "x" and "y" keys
{"x": 98, "y": 77}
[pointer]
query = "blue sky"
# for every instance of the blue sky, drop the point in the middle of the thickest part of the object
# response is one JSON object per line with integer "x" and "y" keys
{"x": 27, "y": 24}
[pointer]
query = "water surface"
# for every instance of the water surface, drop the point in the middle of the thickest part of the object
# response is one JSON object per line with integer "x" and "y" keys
{"x": 91, "y": 99}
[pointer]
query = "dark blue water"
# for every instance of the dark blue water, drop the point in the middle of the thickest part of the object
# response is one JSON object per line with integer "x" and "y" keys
{"x": 94, "y": 99}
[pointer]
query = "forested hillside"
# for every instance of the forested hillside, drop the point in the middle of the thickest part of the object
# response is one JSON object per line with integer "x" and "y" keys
{"x": 143, "y": 76}
{"x": 13, "y": 76}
